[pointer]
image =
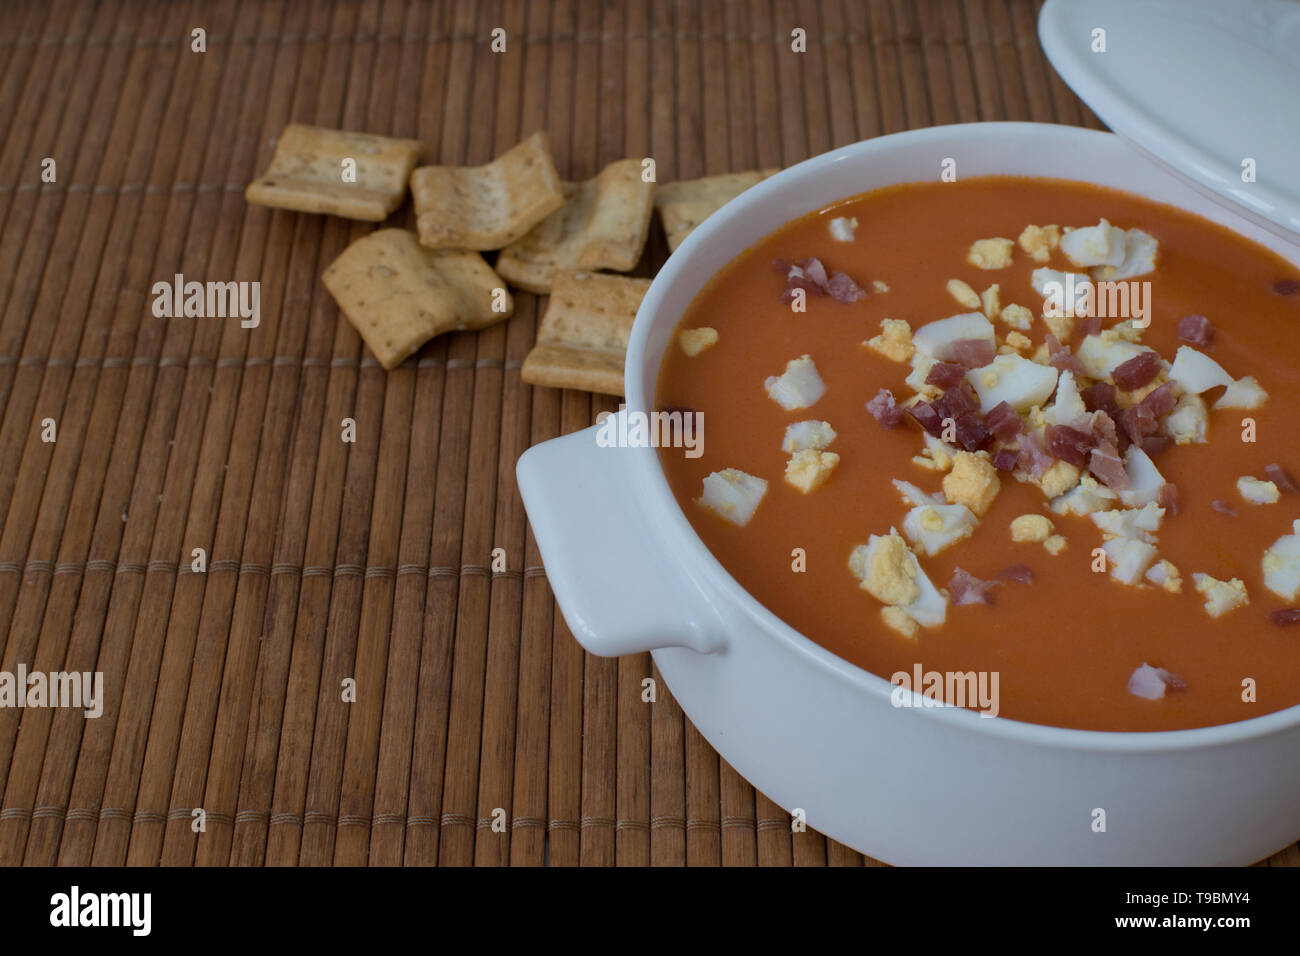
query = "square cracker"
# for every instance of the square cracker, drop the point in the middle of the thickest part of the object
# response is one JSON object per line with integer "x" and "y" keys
{"x": 684, "y": 205}
{"x": 306, "y": 173}
{"x": 486, "y": 207}
{"x": 603, "y": 225}
{"x": 399, "y": 295}
{"x": 582, "y": 338}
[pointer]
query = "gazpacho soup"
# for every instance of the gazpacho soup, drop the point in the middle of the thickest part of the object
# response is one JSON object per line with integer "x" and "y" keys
{"x": 1021, "y": 445}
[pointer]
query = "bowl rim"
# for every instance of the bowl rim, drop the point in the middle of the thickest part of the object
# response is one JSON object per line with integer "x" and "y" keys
{"x": 671, "y": 528}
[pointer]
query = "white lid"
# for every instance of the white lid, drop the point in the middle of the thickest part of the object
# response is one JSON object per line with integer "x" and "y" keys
{"x": 1202, "y": 86}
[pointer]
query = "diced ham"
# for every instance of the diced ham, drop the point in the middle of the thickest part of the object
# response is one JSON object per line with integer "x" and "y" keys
{"x": 884, "y": 409}
{"x": 969, "y": 430}
{"x": 1033, "y": 457}
{"x": 810, "y": 275}
{"x": 1140, "y": 422}
{"x": 973, "y": 353}
{"x": 1155, "y": 444}
{"x": 1138, "y": 371}
{"x": 1069, "y": 444}
{"x": 1284, "y": 617}
{"x": 1161, "y": 401}
{"x": 1091, "y": 325}
{"x": 1103, "y": 429}
{"x": 1221, "y": 506}
{"x": 1006, "y": 459}
{"x": 1281, "y": 477}
{"x": 955, "y": 401}
{"x": 1003, "y": 421}
{"x": 1059, "y": 357}
{"x": 968, "y": 589}
{"x": 815, "y": 271}
{"x": 1100, "y": 397}
{"x": 844, "y": 289}
{"x": 796, "y": 278}
{"x": 1151, "y": 682}
{"x": 1109, "y": 469}
{"x": 945, "y": 375}
{"x": 923, "y": 414}
{"x": 1017, "y": 572}
{"x": 1167, "y": 498}
{"x": 1195, "y": 330}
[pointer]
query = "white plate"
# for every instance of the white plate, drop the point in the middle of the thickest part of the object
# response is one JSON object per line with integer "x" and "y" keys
{"x": 1200, "y": 85}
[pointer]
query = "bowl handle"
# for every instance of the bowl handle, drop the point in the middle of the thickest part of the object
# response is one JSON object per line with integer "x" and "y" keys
{"x": 620, "y": 592}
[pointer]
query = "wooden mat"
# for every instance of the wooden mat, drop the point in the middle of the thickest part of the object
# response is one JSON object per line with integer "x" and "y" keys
{"x": 480, "y": 731}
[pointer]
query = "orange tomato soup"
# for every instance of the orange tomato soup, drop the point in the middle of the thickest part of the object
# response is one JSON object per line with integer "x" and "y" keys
{"x": 1064, "y": 645}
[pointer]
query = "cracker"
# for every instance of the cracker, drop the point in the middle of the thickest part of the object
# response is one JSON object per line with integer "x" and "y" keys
{"x": 306, "y": 173}
{"x": 602, "y": 225}
{"x": 684, "y": 205}
{"x": 582, "y": 338}
{"x": 486, "y": 207}
{"x": 399, "y": 295}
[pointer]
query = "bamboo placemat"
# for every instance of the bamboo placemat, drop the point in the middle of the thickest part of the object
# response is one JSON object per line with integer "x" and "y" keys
{"x": 372, "y": 561}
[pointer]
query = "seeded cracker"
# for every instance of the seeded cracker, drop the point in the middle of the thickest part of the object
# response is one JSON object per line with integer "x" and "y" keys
{"x": 602, "y": 225}
{"x": 306, "y": 173}
{"x": 486, "y": 207}
{"x": 684, "y": 205}
{"x": 399, "y": 295}
{"x": 582, "y": 338}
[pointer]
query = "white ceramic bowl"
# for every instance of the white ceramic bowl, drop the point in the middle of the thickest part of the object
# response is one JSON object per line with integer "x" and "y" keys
{"x": 810, "y": 730}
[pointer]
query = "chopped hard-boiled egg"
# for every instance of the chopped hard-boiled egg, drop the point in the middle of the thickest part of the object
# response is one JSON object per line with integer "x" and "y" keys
{"x": 1129, "y": 558}
{"x": 894, "y": 341}
{"x": 937, "y": 456}
{"x": 1221, "y": 596}
{"x": 1031, "y": 527}
{"x": 1067, "y": 408}
{"x": 1017, "y": 316}
{"x": 1038, "y": 241}
{"x": 695, "y": 341}
{"x": 1257, "y": 491}
{"x": 1085, "y": 498}
{"x": 1062, "y": 292}
{"x": 799, "y": 386}
{"x": 1099, "y": 245}
{"x": 843, "y": 228}
{"x": 990, "y": 253}
{"x": 933, "y": 527}
{"x": 732, "y": 495}
{"x": 973, "y": 481}
{"x": 808, "y": 470}
{"x": 936, "y": 339}
{"x": 1196, "y": 372}
{"x": 1139, "y": 257}
{"x": 1144, "y": 478}
{"x": 807, "y": 434}
{"x": 1163, "y": 574}
{"x": 1282, "y": 565}
{"x": 890, "y": 572}
{"x": 990, "y": 301}
{"x": 1102, "y": 353}
{"x": 1187, "y": 423}
{"x": 1137, "y": 523}
{"x": 1245, "y": 393}
{"x": 1056, "y": 480}
{"x": 964, "y": 294}
{"x": 913, "y": 495}
{"x": 887, "y": 568}
{"x": 1018, "y": 381}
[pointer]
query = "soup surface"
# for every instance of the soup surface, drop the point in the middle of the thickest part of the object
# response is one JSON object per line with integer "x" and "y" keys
{"x": 1074, "y": 646}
